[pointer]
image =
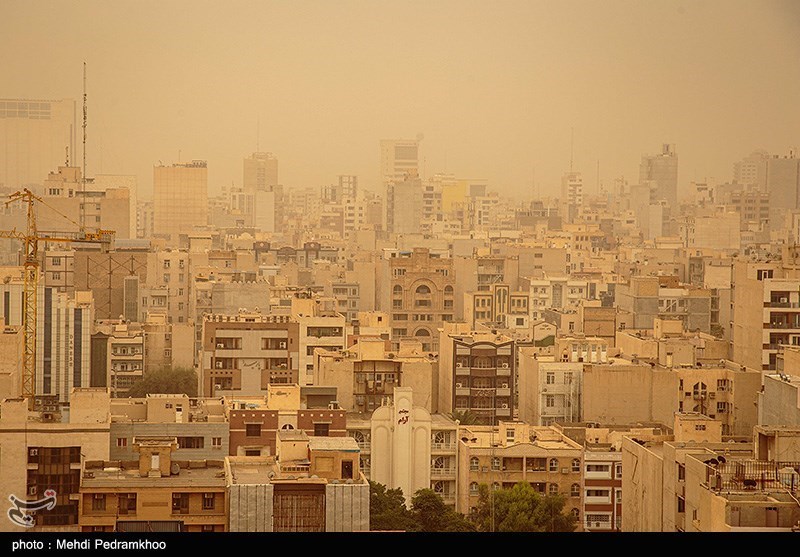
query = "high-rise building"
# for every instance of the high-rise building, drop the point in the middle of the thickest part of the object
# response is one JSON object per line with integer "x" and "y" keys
{"x": 571, "y": 194}
{"x": 180, "y": 198}
{"x": 662, "y": 170}
{"x": 398, "y": 157}
{"x": 37, "y": 136}
{"x": 783, "y": 184}
{"x": 404, "y": 205}
{"x": 263, "y": 194}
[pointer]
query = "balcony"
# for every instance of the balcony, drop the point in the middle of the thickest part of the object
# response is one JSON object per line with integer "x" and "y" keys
{"x": 504, "y": 371}
{"x": 439, "y": 472}
{"x": 364, "y": 446}
{"x": 462, "y": 391}
{"x": 443, "y": 447}
{"x": 503, "y": 391}
{"x": 504, "y": 412}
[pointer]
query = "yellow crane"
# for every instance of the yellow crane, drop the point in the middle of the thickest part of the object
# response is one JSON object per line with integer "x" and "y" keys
{"x": 30, "y": 240}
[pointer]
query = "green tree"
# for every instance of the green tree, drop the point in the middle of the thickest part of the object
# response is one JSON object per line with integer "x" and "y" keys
{"x": 165, "y": 380}
{"x": 432, "y": 515}
{"x": 387, "y": 509}
{"x": 464, "y": 417}
{"x": 521, "y": 509}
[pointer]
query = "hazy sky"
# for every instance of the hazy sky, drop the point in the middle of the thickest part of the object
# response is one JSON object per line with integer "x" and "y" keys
{"x": 494, "y": 87}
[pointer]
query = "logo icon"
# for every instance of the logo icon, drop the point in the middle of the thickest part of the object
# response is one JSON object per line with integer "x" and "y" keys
{"x": 21, "y": 513}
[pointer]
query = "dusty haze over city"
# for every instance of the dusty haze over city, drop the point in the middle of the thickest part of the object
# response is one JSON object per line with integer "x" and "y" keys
{"x": 499, "y": 90}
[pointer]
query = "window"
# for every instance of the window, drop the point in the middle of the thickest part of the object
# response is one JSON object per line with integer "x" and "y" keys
{"x": 510, "y": 435}
{"x": 209, "y": 499}
{"x": 575, "y": 490}
{"x": 126, "y": 503}
{"x": 520, "y": 321}
{"x": 56, "y": 276}
{"x": 56, "y": 261}
{"x": 216, "y": 442}
{"x": 681, "y": 505}
{"x": 191, "y": 442}
{"x": 253, "y": 430}
{"x": 618, "y": 471}
{"x": 122, "y": 442}
{"x": 474, "y": 464}
{"x": 553, "y": 467}
{"x": 166, "y": 277}
{"x": 473, "y": 488}
{"x": 180, "y": 503}
{"x": 166, "y": 263}
{"x": 553, "y": 489}
{"x": 99, "y": 502}
{"x": 700, "y": 427}
{"x": 496, "y": 463}
{"x": 551, "y": 378}
{"x": 321, "y": 430}
{"x": 549, "y": 401}
{"x": 576, "y": 465}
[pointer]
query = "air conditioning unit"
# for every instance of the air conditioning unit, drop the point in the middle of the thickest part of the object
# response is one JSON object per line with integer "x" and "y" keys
{"x": 565, "y": 470}
{"x": 220, "y": 345}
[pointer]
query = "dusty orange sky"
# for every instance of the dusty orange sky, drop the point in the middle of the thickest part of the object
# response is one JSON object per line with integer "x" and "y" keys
{"x": 496, "y": 88}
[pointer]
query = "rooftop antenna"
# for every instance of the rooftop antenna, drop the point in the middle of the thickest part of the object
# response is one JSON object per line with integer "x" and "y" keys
{"x": 83, "y": 176}
{"x": 571, "y": 147}
{"x": 66, "y": 161}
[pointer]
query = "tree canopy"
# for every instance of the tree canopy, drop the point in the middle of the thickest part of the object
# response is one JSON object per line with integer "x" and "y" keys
{"x": 522, "y": 509}
{"x": 464, "y": 417}
{"x": 428, "y": 512}
{"x": 165, "y": 380}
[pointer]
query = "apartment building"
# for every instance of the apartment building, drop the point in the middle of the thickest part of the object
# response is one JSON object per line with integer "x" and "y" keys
{"x": 118, "y": 359}
{"x": 649, "y": 297}
{"x": 198, "y": 424}
{"x": 511, "y": 452}
{"x": 421, "y": 295}
{"x": 43, "y": 451}
{"x": 477, "y": 373}
{"x": 313, "y": 484}
{"x": 319, "y": 326}
{"x": 242, "y": 354}
{"x": 256, "y": 421}
{"x": 367, "y": 373}
{"x": 766, "y": 311}
{"x": 154, "y": 492}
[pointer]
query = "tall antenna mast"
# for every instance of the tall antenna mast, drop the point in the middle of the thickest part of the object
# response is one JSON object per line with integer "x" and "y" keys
{"x": 571, "y": 147}
{"x": 83, "y": 172}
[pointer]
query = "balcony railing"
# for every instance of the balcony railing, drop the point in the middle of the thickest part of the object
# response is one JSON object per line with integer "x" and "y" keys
{"x": 443, "y": 446}
{"x": 437, "y": 472}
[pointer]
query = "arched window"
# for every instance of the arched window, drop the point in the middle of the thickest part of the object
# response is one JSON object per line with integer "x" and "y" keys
{"x": 575, "y": 512}
{"x": 554, "y": 465}
{"x": 439, "y": 462}
{"x": 423, "y": 289}
{"x": 397, "y": 290}
{"x": 576, "y": 465}
{"x": 358, "y": 436}
{"x": 575, "y": 490}
{"x": 448, "y": 290}
{"x": 474, "y": 464}
{"x": 473, "y": 488}
{"x": 553, "y": 489}
{"x": 287, "y": 426}
{"x": 438, "y": 487}
{"x": 440, "y": 437}
{"x": 495, "y": 486}
{"x": 482, "y": 362}
{"x": 496, "y": 463}
{"x": 422, "y": 333}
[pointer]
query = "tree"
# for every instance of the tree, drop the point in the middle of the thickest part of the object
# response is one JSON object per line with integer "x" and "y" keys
{"x": 521, "y": 509}
{"x": 387, "y": 509}
{"x": 464, "y": 417}
{"x": 432, "y": 515}
{"x": 166, "y": 380}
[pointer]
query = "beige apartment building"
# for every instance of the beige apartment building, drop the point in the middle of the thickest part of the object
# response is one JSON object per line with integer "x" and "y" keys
{"x": 242, "y": 354}
{"x": 153, "y": 492}
{"x": 167, "y": 345}
{"x": 313, "y": 484}
{"x": 650, "y": 297}
{"x": 420, "y": 295}
{"x": 43, "y": 451}
{"x": 366, "y": 373}
{"x": 766, "y": 311}
{"x": 319, "y": 326}
{"x": 118, "y": 359}
{"x": 511, "y": 452}
{"x": 669, "y": 344}
{"x": 180, "y": 199}
{"x": 692, "y": 482}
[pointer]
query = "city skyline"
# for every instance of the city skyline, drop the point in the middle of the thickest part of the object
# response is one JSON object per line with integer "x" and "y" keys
{"x": 509, "y": 95}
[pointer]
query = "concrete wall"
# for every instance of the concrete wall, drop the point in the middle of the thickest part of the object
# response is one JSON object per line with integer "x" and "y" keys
{"x": 347, "y": 507}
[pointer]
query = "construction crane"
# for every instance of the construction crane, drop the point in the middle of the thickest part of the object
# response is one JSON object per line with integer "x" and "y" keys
{"x": 30, "y": 240}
